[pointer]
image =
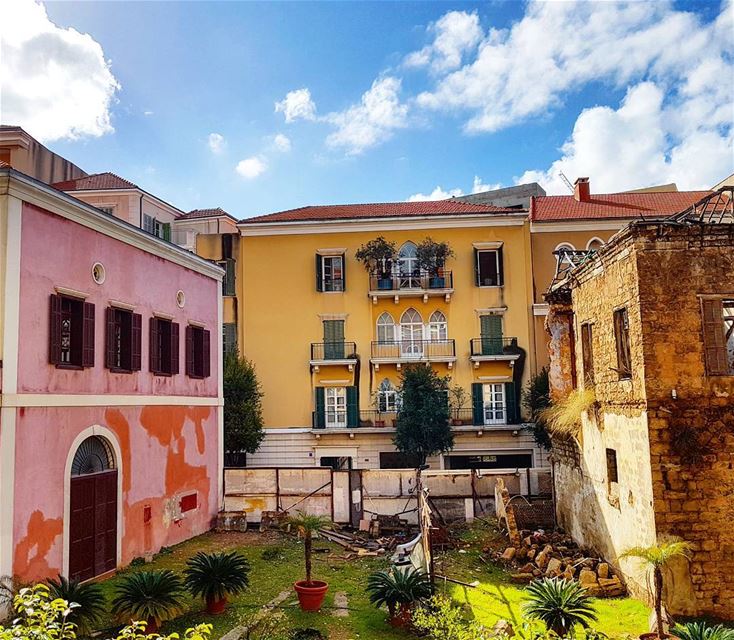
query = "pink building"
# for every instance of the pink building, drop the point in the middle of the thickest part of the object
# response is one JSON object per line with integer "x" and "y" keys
{"x": 111, "y": 393}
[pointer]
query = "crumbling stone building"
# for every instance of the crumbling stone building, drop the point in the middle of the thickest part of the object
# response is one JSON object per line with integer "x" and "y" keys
{"x": 647, "y": 322}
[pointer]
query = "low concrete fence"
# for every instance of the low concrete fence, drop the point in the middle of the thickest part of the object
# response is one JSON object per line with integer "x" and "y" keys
{"x": 350, "y": 496}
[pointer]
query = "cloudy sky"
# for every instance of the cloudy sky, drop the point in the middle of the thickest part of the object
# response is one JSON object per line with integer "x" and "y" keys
{"x": 258, "y": 107}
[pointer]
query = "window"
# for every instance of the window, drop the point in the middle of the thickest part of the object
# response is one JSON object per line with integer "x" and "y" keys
{"x": 156, "y": 228}
{"x": 198, "y": 352}
{"x": 587, "y": 353}
{"x": 163, "y": 343}
{"x": 337, "y": 463}
{"x": 330, "y": 273}
{"x": 493, "y": 396}
{"x": 71, "y": 335}
{"x": 387, "y": 397}
{"x": 622, "y": 338}
{"x": 718, "y": 336}
{"x": 489, "y": 267}
{"x": 490, "y": 461}
{"x": 411, "y": 333}
{"x": 385, "y": 328}
{"x": 228, "y": 288}
{"x": 149, "y": 223}
{"x": 227, "y": 240}
{"x": 494, "y": 403}
{"x": 229, "y": 337}
{"x": 490, "y": 330}
{"x": 397, "y": 460}
{"x": 336, "y": 407}
{"x": 109, "y": 209}
{"x": 334, "y": 347}
{"x": 594, "y": 244}
{"x": 612, "y": 477}
{"x": 437, "y": 327}
{"x": 123, "y": 340}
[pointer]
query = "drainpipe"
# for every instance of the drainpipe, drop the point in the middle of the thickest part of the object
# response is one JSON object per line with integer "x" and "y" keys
{"x": 140, "y": 211}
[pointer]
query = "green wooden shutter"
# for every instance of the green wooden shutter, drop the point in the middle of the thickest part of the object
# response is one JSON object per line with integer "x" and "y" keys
{"x": 166, "y": 231}
{"x": 511, "y": 402}
{"x": 333, "y": 339}
{"x": 228, "y": 286}
{"x": 320, "y": 413}
{"x": 352, "y": 407}
{"x": 477, "y": 398}
{"x": 491, "y": 332}
{"x": 319, "y": 273}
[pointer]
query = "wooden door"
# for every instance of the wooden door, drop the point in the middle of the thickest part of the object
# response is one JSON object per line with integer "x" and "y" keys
{"x": 93, "y": 524}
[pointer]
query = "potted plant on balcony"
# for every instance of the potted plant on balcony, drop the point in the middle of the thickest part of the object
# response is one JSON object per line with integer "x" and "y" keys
{"x": 377, "y": 404}
{"x": 458, "y": 398}
{"x": 310, "y": 592}
{"x": 432, "y": 258}
{"x": 378, "y": 257}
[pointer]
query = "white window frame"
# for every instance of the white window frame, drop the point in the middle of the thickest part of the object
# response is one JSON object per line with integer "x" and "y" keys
{"x": 497, "y": 266}
{"x": 408, "y": 267}
{"x": 335, "y": 407}
{"x": 149, "y": 224}
{"x": 385, "y": 329}
{"x": 727, "y": 318}
{"x": 437, "y": 326}
{"x": 494, "y": 407}
{"x": 336, "y": 284}
{"x": 387, "y": 397}
{"x": 411, "y": 335}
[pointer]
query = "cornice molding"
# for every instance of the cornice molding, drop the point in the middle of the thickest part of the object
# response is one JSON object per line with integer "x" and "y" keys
{"x": 579, "y": 225}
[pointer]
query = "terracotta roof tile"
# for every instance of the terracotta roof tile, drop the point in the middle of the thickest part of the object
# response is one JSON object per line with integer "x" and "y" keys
{"x": 206, "y": 213}
{"x": 377, "y": 210}
{"x": 612, "y": 205}
{"x": 98, "y": 181}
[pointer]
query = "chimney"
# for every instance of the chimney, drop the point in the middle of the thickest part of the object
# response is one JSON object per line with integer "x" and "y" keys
{"x": 582, "y": 190}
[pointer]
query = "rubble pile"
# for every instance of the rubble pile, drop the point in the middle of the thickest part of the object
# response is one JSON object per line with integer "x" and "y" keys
{"x": 554, "y": 554}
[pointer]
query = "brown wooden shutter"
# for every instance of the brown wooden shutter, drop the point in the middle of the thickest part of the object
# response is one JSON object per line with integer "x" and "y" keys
{"x": 88, "y": 335}
{"x": 136, "y": 342}
{"x": 154, "y": 363}
{"x": 714, "y": 343}
{"x": 206, "y": 354}
{"x": 174, "y": 348}
{"x": 110, "y": 351}
{"x": 54, "y": 343}
{"x": 190, "y": 351}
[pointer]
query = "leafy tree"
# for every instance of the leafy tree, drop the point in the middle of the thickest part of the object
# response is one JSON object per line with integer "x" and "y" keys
{"x": 243, "y": 421}
{"x": 422, "y": 424}
{"x": 536, "y": 399}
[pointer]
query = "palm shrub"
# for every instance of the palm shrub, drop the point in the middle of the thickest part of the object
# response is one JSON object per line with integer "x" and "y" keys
{"x": 702, "y": 631}
{"x": 655, "y": 558}
{"x": 214, "y": 576}
{"x": 398, "y": 590}
{"x": 306, "y": 524}
{"x": 559, "y": 603}
{"x": 152, "y": 596}
{"x": 89, "y": 615}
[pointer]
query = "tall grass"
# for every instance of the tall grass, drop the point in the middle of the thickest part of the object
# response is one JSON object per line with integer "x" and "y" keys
{"x": 563, "y": 417}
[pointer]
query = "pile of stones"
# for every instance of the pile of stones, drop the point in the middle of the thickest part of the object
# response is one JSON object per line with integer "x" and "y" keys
{"x": 554, "y": 554}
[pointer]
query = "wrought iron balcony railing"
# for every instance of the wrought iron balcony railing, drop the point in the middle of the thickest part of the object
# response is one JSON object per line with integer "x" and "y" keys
{"x": 489, "y": 346}
{"x": 325, "y": 351}
{"x": 413, "y": 349}
{"x": 420, "y": 280}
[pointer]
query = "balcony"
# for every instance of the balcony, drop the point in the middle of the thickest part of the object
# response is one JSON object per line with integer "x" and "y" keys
{"x": 406, "y": 351}
{"x": 488, "y": 349}
{"x": 333, "y": 353}
{"x": 464, "y": 419}
{"x": 417, "y": 284}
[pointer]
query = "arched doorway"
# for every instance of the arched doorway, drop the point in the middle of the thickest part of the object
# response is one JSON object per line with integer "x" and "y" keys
{"x": 92, "y": 510}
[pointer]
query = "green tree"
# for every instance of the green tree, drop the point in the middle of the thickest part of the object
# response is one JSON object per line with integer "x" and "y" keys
{"x": 243, "y": 421}
{"x": 422, "y": 425}
{"x": 536, "y": 399}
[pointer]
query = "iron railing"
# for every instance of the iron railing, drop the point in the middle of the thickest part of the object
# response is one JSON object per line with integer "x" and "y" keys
{"x": 420, "y": 279}
{"x": 334, "y": 419}
{"x": 480, "y": 416}
{"x": 377, "y": 418}
{"x": 413, "y": 349}
{"x": 333, "y": 350}
{"x": 491, "y": 346}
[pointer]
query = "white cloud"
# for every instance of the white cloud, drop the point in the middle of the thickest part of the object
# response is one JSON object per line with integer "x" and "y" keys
{"x": 56, "y": 82}
{"x": 216, "y": 142}
{"x": 631, "y": 147}
{"x": 370, "y": 122}
{"x": 479, "y": 187}
{"x": 297, "y": 105}
{"x": 441, "y": 194}
{"x": 147, "y": 113}
{"x": 252, "y": 167}
{"x": 282, "y": 143}
{"x": 456, "y": 33}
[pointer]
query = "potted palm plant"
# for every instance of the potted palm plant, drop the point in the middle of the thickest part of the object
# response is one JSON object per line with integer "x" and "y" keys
{"x": 89, "y": 615}
{"x": 310, "y": 592}
{"x": 702, "y": 631}
{"x": 459, "y": 399}
{"x": 152, "y": 596}
{"x": 655, "y": 559}
{"x": 215, "y": 576}
{"x": 378, "y": 257}
{"x": 432, "y": 258}
{"x": 560, "y": 604}
{"x": 399, "y": 591}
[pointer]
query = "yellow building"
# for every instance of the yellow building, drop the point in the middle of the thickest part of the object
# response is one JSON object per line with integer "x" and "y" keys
{"x": 329, "y": 338}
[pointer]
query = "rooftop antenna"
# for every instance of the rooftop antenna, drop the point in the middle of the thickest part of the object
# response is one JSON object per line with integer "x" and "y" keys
{"x": 566, "y": 181}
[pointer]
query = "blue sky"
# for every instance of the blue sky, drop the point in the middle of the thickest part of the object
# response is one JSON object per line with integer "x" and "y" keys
{"x": 401, "y": 98}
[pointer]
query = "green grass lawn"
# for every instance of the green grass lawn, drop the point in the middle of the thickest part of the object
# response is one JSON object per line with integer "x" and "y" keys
{"x": 495, "y": 598}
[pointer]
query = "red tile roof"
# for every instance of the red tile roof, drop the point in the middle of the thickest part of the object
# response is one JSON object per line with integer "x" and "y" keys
{"x": 612, "y": 205}
{"x": 97, "y": 181}
{"x": 206, "y": 213}
{"x": 377, "y": 210}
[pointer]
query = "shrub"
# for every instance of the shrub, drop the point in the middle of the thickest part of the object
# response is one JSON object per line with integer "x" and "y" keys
{"x": 214, "y": 576}
{"x": 560, "y": 604}
{"x": 243, "y": 420}
{"x": 397, "y": 589}
{"x": 702, "y": 631}
{"x": 563, "y": 417}
{"x": 536, "y": 399}
{"x": 136, "y": 631}
{"x": 152, "y": 596}
{"x": 39, "y": 616}
{"x": 91, "y": 600}
{"x": 441, "y": 619}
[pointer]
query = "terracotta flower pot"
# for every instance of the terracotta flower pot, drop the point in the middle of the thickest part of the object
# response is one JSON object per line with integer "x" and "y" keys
{"x": 652, "y": 635}
{"x": 215, "y": 607}
{"x": 403, "y": 618}
{"x": 311, "y": 594}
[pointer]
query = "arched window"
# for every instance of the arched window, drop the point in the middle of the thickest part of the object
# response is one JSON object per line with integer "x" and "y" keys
{"x": 565, "y": 246}
{"x": 408, "y": 266}
{"x": 387, "y": 397}
{"x": 385, "y": 329}
{"x": 437, "y": 327}
{"x": 411, "y": 333}
{"x": 93, "y": 456}
{"x": 594, "y": 244}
